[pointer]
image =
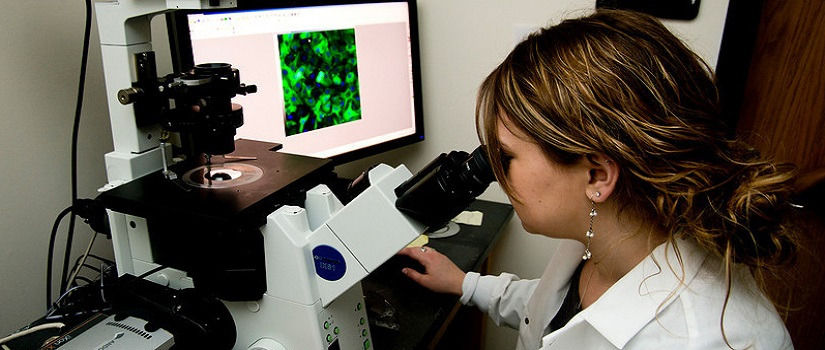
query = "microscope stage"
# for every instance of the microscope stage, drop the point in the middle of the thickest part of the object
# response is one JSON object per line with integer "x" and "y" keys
{"x": 259, "y": 186}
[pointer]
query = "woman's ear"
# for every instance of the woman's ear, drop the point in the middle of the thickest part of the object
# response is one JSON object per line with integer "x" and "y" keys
{"x": 604, "y": 175}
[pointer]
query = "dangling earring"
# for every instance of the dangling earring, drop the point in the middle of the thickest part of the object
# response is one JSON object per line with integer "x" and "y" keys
{"x": 589, "y": 233}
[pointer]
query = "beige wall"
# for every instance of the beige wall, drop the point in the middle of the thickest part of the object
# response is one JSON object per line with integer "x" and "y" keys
{"x": 461, "y": 41}
{"x": 39, "y": 67}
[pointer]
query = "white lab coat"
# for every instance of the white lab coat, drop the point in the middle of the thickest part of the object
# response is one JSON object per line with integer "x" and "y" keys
{"x": 659, "y": 304}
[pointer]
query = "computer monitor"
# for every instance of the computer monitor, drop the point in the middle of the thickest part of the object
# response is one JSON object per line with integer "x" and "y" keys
{"x": 336, "y": 79}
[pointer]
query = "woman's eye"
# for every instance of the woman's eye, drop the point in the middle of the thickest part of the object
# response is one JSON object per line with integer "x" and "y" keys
{"x": 505, "y": 159}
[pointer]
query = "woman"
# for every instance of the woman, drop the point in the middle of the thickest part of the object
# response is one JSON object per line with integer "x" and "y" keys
{"x": 605, "y": 131}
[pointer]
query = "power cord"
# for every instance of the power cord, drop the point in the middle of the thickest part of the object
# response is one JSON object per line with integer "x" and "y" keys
{"x": 71, "y": 209}
{"x": 94, "y": 214}
{"x": 75, "y": 130}
{"x": 50, "y": 256}
{"x": 83, "y": 300}
{"x": 32, "y": 330}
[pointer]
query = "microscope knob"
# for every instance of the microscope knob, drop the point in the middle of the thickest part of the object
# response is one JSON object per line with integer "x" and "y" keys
{"x": 244, "y": 89}
{"x": 266, "y": 344}
{"x": 129, "y": 95}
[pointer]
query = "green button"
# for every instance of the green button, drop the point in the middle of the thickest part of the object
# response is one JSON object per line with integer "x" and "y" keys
{"x": 329, "y": 338}
{"x": 364, "y": 333}
{"x": 362, "y": 321}
{"x": 336, "y": 330}
{"x": 367, "y": 344}
{"x": 358, "y": 307}
{"x": 326, "y": 324}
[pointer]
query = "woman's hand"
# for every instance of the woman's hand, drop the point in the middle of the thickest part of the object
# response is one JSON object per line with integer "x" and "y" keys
{"x": 440, "y": 273}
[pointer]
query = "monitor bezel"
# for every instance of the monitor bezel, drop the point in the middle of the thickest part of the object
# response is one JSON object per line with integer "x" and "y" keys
{"x": 182, "y": 60}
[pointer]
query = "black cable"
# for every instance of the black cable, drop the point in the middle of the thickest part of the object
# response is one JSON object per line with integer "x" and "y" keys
{"x": 50, "y": 257}
{"x": 77, "y": 265}
{"x": 84, "y": 279}
{"x": 75, "y": 131}
{"x": 101, "y": 259}
{"x": 90, "y": 267}
{"x": 147, "y": 273}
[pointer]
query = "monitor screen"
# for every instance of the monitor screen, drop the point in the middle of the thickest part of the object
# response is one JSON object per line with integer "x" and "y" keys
{"x": 336, "y": 79}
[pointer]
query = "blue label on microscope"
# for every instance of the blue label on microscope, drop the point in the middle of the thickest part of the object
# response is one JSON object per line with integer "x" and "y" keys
{"x": 329, "y": 263}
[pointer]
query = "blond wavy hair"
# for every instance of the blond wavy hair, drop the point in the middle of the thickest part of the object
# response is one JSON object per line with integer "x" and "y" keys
{"x": 619, "y": 83}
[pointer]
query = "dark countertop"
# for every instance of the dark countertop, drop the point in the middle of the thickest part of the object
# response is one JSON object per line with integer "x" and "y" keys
{"x": 423, "y": 315}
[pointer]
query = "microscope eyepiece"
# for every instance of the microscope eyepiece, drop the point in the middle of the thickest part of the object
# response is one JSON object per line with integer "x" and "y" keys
{"x": 445, "y": 187}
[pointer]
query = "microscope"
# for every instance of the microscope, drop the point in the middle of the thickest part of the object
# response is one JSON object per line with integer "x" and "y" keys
{"x": 239, "y": 246}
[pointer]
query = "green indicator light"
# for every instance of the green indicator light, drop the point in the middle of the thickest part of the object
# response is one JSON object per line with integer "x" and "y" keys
{"x": 326, "y": 324}
{"x": 336, "y": 330}
{"x": 329, "y": 338}
{"x": 361, "y": 321}
{"x": 367, "y": 344}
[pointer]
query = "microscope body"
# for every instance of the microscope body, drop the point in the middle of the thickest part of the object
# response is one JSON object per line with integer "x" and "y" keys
{"x": 301, "y": 266}
{"x": 316, "y": 257}
{"x": 286, "y": 272}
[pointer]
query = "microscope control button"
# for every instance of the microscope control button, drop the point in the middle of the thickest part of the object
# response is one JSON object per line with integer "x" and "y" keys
{"x": 253, "y": 306}
{"x": 336, "y": 331}
{"x": 361, "y": 321}
{"x": 326, "y": 324}
{"x": 363, "y": 332}
{"x": 367, "y": 344}
{"x": 358, "y": 307}
{"x": 329, "y": 338}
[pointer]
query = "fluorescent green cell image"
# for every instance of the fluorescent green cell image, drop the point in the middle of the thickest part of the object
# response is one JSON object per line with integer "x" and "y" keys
{"x": 320, "y": 79}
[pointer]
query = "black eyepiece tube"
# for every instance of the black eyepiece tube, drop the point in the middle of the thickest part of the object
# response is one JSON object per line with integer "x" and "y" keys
{"x": 415, "y": 179}
{"x": 445, "y": 187}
